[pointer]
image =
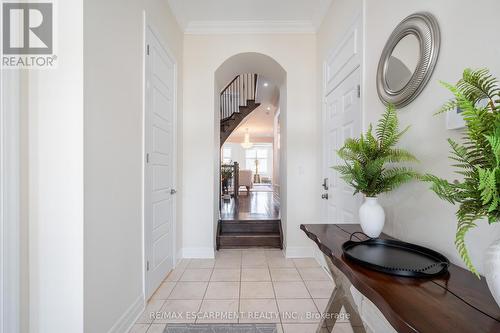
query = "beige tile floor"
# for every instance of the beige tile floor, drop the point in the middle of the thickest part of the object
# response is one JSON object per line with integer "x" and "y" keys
{"x": 259, "y": 285}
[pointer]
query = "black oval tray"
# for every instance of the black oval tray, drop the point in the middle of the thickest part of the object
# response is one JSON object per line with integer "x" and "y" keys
{"x": 396, "y": 258}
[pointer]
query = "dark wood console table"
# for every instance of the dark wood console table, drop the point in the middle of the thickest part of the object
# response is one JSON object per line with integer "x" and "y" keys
{"x": 453, "y": 303}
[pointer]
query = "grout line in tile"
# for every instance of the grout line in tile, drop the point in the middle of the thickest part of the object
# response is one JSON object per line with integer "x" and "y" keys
{"x": 276, "y": 301}
{"x": 239, "y": 295}
{"x": 205, "y": 294}
{"x": 315, "y": 305}
{"x": 267, "y": 266}
{"x": 171, "y": 291}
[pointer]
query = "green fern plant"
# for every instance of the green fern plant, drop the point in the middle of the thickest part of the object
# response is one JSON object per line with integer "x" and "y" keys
{"x": 371, "y": 161}
{"x": 477, "y": 158}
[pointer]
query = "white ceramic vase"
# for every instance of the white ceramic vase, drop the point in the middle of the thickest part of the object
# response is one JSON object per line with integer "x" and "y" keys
{"x": 372, "y": 217}
{"x": 492, "y": 269}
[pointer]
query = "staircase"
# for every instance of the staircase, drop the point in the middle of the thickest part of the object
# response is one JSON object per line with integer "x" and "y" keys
{"x": 251, "y": 233}
{"x": 237, "y": 101}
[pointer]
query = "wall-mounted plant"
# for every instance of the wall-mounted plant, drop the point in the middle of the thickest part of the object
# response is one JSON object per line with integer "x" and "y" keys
{"x": 371, "y": 167}
{"x": 477, "y": 158}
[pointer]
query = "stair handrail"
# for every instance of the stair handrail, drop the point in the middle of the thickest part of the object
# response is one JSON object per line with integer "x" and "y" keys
{"x": 240, "y": 90}
{"x": 230, "y": 83}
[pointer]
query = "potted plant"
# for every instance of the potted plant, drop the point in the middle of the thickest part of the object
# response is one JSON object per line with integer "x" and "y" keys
{"x": 226, "y": 173}
{"x": 371, "y": 167}
{"x": 477, "y": 161}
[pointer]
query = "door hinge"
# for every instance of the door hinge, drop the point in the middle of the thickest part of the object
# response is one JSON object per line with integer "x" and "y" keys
{"x": 147, "y": 158}
{"x": 359, "y": 91}
{"x": 147, "y": 49}
{"x": 147, "y": 265}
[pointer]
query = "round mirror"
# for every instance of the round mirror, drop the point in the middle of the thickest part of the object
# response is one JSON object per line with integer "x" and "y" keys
{"x": 408, "y": 59}
{"x": 402, "y": 62}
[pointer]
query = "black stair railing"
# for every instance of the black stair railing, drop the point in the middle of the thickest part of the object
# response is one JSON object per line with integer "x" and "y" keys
{"x": 240, "y": 90}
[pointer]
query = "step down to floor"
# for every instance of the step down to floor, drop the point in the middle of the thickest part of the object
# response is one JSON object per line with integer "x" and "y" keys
{"x": 249, "y": 233}
{"x": 245, "y": 239}
{"x": 253, "y": 226}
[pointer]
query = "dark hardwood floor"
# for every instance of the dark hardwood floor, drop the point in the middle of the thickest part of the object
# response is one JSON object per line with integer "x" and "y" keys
{"x": 252, "y": 206}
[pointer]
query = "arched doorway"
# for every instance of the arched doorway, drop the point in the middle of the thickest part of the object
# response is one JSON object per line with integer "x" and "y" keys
{"x": 250, "y": 108}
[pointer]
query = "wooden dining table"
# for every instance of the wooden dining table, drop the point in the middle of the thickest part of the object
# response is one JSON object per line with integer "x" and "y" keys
{"x": 454, "y": 302}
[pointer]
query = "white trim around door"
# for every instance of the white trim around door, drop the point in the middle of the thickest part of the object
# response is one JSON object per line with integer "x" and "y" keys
{"x": 160, "y": 159}
{"x": 10, "y": 201}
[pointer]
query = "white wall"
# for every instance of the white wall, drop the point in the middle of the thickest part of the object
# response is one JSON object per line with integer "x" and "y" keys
{"x": 14, "y": 104}
{"x": 276, "y": 151}
{"x": 24, "y": 204}
{"x": 413, "y": 212}
{"x": 114, "y": 51}
{"x": 12, "y": 243}
{"x": 296, "y": 54}
{"x": 56, "y": 182}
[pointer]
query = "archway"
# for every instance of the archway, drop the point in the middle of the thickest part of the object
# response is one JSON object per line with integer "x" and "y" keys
{"x": 269, "y": 74}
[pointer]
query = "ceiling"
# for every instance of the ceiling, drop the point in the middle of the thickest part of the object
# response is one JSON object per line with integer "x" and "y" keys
{"x": 259, "y": 124}
{"x": 192, "y": 13}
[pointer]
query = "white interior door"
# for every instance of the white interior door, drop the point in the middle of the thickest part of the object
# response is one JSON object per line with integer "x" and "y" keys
{"x": 159, "y": 187}
{"x": 342, "y": 120}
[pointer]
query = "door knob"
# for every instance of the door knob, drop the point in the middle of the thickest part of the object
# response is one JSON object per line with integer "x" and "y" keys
{"x": 325, "y": 184}
{"x": 173, "y": 191}
{"x": 324, "y": 196}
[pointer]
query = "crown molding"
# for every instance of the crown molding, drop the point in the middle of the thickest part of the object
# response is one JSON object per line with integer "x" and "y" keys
{"x": 249, "y": 27}
{"x": 320, "y": 13}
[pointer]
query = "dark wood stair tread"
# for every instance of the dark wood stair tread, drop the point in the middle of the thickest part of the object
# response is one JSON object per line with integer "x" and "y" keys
{"x": 249, "y": 227}
{"x": 227, "y": 240}
{"x": 250, "y": 234}
{"x": 255, "y": 221}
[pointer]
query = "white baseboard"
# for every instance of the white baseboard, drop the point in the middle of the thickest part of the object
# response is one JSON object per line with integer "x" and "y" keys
{"x": 198, "y": 253}
{"x": 178, "y": 256}
{"x": 129, "y": 317}
{"x": 299, "y": 252}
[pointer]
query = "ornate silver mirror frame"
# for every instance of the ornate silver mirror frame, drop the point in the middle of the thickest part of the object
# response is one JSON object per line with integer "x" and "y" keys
{"x": 425, "y": 28}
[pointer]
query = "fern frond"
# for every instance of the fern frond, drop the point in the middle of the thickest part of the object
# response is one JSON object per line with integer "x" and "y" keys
{"x": 394, "y": 139}
{"x": 478, "y": 84}
{"x": 463, "y": 227}
{"x": 387, "y": 124}
{"x": 444, "y": 189}
{"x": 489, "y": 188}
{"x": 367, "y": 157}
{"x": 400, "y": 155}
{"x": 448, "y": 106}
{"x": 494, "y": 141}
{"x": 393, "y": 178}
{"x": 477, "y": 158}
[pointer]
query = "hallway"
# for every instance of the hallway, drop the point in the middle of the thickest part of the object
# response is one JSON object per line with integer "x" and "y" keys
{"x": 194, "y": 157}
{"x": 249, "y": 286}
